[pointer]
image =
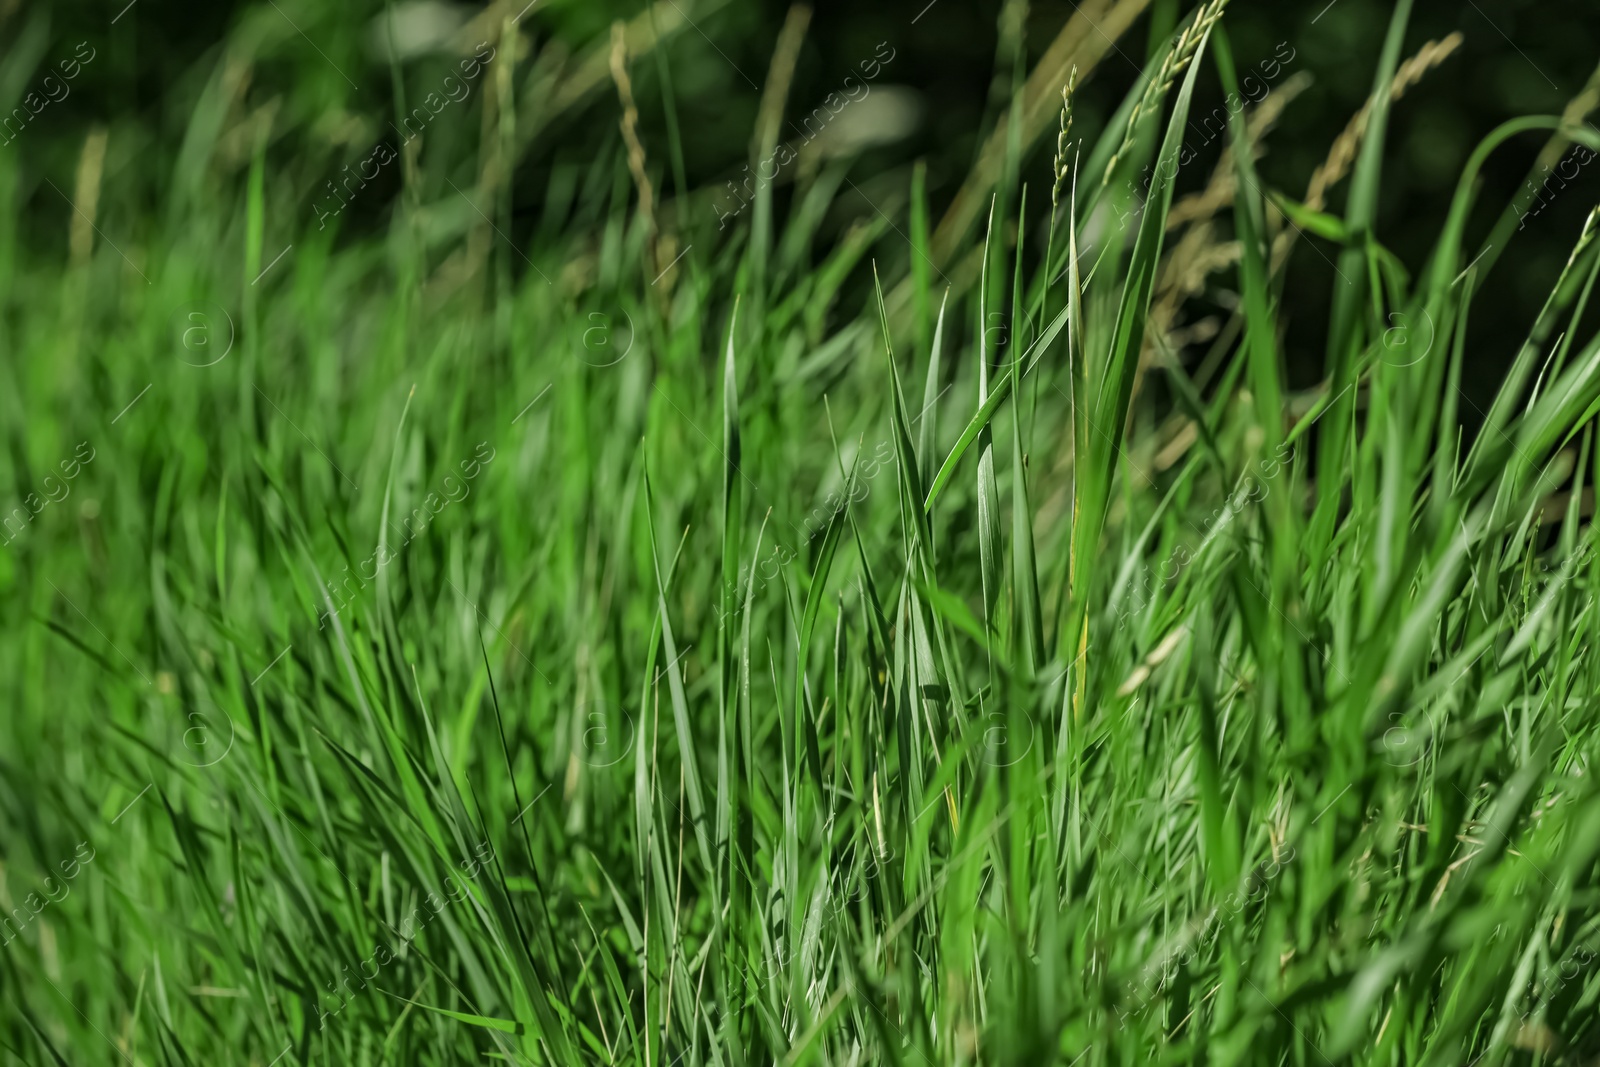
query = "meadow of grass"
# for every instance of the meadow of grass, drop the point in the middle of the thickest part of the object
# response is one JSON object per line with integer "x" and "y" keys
{"x": 463, "y": 636}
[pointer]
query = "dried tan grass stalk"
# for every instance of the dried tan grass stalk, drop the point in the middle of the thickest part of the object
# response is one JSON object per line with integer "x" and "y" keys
{"x": 1084, "y": 41}
{"x": 1197, "y": 255}
{"x": 1218, "y": 192}
{"x": 1343, "y": 153}
{"x": 86, "y": 195}
{"x": 630, "y": 136}
{"x": 780, "y": 75}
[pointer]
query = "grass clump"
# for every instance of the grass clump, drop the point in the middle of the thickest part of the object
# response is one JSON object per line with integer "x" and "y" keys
{"x": 549, "y": 653}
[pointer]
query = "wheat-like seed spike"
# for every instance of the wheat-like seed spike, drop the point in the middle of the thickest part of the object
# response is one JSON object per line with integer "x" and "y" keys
{"x": 1176, "y": 61}
{"x": 1062, "y": 164}
{"x": 1343, "y": 153}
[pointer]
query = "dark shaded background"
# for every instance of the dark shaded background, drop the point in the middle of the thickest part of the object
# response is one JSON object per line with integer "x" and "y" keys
{"x": 1519, "y": 57}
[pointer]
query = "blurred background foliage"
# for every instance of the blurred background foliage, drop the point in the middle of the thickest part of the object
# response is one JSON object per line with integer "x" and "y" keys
{"x": 287, "y": 60}
{"x": 314, "y": 77}
{"x": 206, "y": 129}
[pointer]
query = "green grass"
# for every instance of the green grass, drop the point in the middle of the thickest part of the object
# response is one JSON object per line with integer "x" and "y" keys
{"x": 496, "y": 653}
